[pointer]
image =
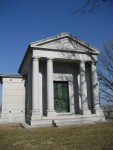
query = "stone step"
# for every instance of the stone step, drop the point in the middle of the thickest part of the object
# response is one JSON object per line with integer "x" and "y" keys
{"x": 70, "y": 121}
{"x": 25, "y": 125}
{"x": 59, "y": 121}
{"x": 40, "y": 122}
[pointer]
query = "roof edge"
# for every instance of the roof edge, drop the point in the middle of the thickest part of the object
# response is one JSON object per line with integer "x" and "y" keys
{"x": 25, "y": 55}
{"x": 9, "y": 76}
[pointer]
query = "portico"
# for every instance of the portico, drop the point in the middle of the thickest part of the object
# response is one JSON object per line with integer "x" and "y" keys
{"x": 50, "y": 86}
{"x": 61, "y": 82}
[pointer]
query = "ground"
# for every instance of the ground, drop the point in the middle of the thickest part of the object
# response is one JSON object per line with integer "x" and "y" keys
{"x": 84, "y": 137}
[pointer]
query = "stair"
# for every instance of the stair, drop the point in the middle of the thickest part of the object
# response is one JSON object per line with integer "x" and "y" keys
{"x": 40, "y": 122}
{"x": 71, "y": 121}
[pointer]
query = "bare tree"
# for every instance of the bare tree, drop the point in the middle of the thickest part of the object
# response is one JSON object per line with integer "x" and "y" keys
{"x": 105, "y": 72}
{"x": 105, "y": 59}
{"x": 91, "y": 6}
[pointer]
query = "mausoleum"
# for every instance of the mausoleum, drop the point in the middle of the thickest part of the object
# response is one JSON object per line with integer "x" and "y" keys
{"x": 57, "y": 85}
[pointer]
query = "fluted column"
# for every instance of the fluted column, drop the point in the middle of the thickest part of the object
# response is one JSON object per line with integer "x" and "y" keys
{"x": 35, "y": 87}
{"x": 83, "y": 89}
{"x": 50, "y": 90}
{"x": 95, "y": 86}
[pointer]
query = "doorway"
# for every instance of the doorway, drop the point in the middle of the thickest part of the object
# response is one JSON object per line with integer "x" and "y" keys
{"x": 61, "y": 96}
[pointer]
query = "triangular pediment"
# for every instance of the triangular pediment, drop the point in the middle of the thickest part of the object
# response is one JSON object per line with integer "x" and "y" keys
{"x": 65, "y": 42}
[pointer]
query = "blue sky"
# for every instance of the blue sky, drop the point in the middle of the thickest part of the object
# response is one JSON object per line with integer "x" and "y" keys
{"x": 25, "y": 21}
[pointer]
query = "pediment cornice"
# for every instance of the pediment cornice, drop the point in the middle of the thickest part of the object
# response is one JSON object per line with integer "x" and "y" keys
{"x": 64, "y": 42}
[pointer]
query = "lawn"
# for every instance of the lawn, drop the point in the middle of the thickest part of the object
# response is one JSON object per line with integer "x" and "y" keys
{"x": 85, "y": 137}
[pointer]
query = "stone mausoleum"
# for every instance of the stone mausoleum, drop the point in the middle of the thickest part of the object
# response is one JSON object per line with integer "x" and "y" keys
{"x": 57, "y": 85}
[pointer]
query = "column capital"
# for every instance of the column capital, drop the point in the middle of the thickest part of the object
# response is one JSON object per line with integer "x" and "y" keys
{"x": 90, "y": 62}
{"x": 81, "y": 61}
{"x": 50, "y": 58}
{"x": 35, "y": 58}
{"x": 93, "y": 62}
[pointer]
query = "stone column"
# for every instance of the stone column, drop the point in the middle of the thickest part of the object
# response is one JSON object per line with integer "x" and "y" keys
{"x": 28, "y": 92}
{"x": 35, "y": 88}
{"x": 50, "y": 90}
{"x": 95, "y": 86}
{"x": 83, "y": 89}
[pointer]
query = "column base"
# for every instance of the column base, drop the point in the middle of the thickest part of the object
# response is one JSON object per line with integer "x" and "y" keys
{"x": 99, "y": 111}
{"x": 85, "y": 112}
{"x": 35, "y": 114}
{"x": 51, "y": 113}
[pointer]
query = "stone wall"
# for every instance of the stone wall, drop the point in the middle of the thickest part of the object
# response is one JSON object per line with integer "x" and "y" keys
{"x": 13, "y": 100}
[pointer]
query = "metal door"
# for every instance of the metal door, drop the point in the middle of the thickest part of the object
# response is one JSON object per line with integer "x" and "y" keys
{"x": 61, "y": 96}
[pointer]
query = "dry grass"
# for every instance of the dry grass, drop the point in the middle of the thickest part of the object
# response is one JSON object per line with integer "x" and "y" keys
{"x": 86, "y": 137}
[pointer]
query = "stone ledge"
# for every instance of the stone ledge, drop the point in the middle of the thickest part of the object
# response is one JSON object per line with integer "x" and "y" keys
{"x": 27, "y": 126}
